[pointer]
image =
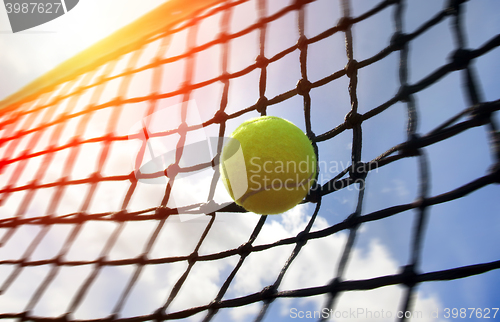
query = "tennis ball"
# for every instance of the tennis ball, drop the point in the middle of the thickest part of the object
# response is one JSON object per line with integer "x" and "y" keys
{"x": 268, "y": 165}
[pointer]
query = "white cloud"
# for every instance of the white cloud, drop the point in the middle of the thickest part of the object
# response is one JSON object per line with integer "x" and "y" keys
{"x": 397, "y": 187}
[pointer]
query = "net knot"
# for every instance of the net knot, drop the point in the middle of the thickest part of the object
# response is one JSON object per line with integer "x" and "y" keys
{"x": 352, "y": 119}
{"x": 358, "y": 171}
{"x": 163, "y": 212}
{"x": 314, "y": 194}
{"x": 352, "y": 221}
{"x": 46, "y": 220}
{"x": 11, "y": 222}
{"x": 209, "y": 207}
{"x": 261, "y": 105}
{"x": 185, "y": 87}
{"x": 311, "y": 136}
{"x": 460, "y": 59}
{"x": 421, "y": 203}
{"x": 302, "y": 238}
{"x": 183, "y": 128}
{"x": 121, "y": 215}
{"x": 57, "y": 260}
{"x": 398, "y": 40}
{"x": 411, "y": 147}
{"x": 172, "y": 170}
{"x": 220, "y": 117}
{"x": 333, "y": 288}
{"x": 64, "y": 318}
{"x": 481, "y": 114}
{"x": 215, "y": 161}
{"x": 302, "y": 42}
{"x": 3, "y": 163}
{"x": 118, "y": 100}
{"x": 344, "y": 23}
{"x": 214, "y": 306}
{"x": 192, "y": 258}
{"x": 245, "y": 249}
{"x": 62, "y": 181}
{"x": 495, "y": 169}
{"x": 158, "y": 315}
{"x": 299, "y": 3}
{"x": 453, "y": 7}
{"x": 101, "y": 261}
{"x": 261, "y": 61}
{"x": 193, "y": 21}
{"x": 75, "y": 141}
{"x": 22, "y": 262}
{"x": 303, "y": 87}
{"x": 224, "y": 78}
{"x": 22, "y": 316}
{"x": 31, "y": 185}
{"x": 404, "y": 93}
{"x": 269, "y": 293}
{"x": 351, "y": 69}
{"x": 156, "y": 61}
{"x": 111, "y": 317}
{"x": 409, "y": 275}
{"x": 142, "y": 259}
{"x": 223, "y": 37}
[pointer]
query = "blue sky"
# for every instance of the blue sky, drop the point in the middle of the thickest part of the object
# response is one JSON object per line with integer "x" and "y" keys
{"x": 461, "y": 232}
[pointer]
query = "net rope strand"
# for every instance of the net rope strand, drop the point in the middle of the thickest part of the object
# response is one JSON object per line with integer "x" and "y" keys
{"x": 478, "y": 113}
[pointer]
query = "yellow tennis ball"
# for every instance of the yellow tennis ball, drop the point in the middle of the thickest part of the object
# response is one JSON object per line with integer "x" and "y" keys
{"x": 268, "y": 165}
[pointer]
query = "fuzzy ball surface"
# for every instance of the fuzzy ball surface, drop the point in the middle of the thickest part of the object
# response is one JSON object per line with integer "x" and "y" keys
{"x": 268, "y": 165}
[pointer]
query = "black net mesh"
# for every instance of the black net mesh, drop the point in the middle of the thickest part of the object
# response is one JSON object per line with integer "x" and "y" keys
{"x": 84, "y": 236}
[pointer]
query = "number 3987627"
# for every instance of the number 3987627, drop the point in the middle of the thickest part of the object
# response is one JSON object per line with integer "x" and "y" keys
{"x": 32, "y": 7}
